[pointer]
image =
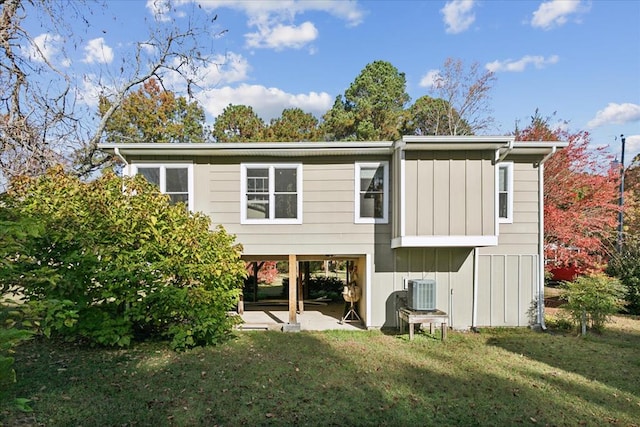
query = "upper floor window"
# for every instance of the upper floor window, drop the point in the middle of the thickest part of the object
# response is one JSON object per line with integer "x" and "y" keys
{"x": 372, "y": 193}
{"x": 271, "y": 193}
{"x": 505, "y": 192}
{"x": 173, "y": 179}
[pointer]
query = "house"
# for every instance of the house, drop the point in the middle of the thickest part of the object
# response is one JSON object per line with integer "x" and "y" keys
{"x": 465, "y": 211}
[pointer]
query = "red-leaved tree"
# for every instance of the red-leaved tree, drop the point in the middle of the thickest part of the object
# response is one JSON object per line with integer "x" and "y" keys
{"x": 580, "y": 199}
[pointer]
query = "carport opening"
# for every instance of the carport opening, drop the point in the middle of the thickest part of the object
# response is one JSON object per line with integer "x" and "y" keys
{"x": 320, "y": 285}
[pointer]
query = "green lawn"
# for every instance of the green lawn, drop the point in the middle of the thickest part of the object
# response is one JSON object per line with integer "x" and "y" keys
{"x": 496, "y": 377}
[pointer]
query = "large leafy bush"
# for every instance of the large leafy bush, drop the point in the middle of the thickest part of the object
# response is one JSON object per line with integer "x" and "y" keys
{"x": 116, "y": 260}
{"x": 593, "y": 299}
{"x": 625, "y": 265}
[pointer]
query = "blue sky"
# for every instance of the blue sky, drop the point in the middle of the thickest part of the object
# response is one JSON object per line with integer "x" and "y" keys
{"x": 577, "y": 59}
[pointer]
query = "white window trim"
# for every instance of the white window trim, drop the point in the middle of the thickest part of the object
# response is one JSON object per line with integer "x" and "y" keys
{"x": 163, "y": 166}
{"x": 272, "y": 206}
{"x": 385, "y": 209}
{"x": 509, "y": 167}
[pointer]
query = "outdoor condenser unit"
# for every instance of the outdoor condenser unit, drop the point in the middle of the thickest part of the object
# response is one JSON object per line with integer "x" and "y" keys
{"x": 421, "y": 295}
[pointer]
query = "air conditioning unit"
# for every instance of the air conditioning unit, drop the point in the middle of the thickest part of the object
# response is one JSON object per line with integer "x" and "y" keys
{"x": 421, "y": 295}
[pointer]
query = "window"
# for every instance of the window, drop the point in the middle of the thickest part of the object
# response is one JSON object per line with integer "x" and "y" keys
{"x": 271, "y": 194}
{"x": 372, "y": 193}
{"x": 505, "y": 192}
{"x": 173, "y": 179}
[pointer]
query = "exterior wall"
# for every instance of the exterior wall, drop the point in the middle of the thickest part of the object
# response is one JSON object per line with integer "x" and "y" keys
{"x": 328, "y": 197}
{"x": 456, "y": 190}
{"x": 508, "y": 273}
{"x": 449, "y": 193}
{"x": 451, "y": 268}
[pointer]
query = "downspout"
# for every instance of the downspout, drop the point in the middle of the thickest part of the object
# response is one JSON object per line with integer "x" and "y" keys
{"x": 116, "y": 151}
{"x": 474, "y": 312}
{"x": 541, "y": 238}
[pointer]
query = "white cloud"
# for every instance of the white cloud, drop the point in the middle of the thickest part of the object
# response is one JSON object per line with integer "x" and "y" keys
{"x": 268, "y": 103}
{"x": 555, "y": 13}
{"x": 162, "y": 9}
{"x": 618, "y": 114}
{"x": 222, "y": 69}
{"x": 429, "y": 79}
{"x": 282, "y": 36}
{"x": 96, "y": 51}
{"x": 632, "y": 146}
{"x": 348, "y": 11}
{"x": 45, "y": 47}
{"x": 88, "y": 93}
{"x": 522, "y": 63}
{"x": 275, "y": 24}
{"x": 458, "y": 15}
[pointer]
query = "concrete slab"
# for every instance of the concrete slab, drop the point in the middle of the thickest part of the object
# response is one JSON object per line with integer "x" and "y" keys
{"x": 314, "y": 318}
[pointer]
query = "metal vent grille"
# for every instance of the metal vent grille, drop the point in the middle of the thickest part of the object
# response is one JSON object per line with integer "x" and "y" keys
{"x": 421, "y": 295}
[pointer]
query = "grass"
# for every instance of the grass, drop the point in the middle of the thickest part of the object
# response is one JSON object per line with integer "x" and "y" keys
{"x": 496, "y": 377}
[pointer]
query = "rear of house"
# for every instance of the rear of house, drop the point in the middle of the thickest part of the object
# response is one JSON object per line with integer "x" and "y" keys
{"x": 465, "y": 212}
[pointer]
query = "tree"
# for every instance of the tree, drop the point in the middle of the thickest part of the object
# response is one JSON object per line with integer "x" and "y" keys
{"x": 580, "y": 198}
{"x": 42, "y": 119}
{"x": 372, "y": 107}
{"x": 293, "y": 125}
{"x": 429, "y": 116}
{"x": 238, "y": 123}
{"x": 152, "y": 114}
{"x": 117, "y": 260}
{"x": 465, "y": 96}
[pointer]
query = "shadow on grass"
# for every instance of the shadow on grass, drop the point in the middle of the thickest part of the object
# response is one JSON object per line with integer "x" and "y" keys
{"x": 610, "y": 358}
{"x": 329, "y": 378}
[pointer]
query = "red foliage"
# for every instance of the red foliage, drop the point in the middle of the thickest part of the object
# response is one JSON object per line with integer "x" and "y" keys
{"x": 580, "y": 199}
{"x": 267, "y": 273}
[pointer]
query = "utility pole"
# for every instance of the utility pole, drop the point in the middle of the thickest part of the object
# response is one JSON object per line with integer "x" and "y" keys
{"x": 621, "y": 199}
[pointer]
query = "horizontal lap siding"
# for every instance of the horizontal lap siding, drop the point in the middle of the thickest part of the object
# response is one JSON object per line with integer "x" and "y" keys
{"x": 522, "y": 235}
{"x": 328, "y": 210}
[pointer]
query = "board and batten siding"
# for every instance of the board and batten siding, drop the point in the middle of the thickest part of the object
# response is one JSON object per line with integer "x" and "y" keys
{"x": 449, "y": 193}
{"x": 452, "y": 270}
{"x": 328, "y": 209}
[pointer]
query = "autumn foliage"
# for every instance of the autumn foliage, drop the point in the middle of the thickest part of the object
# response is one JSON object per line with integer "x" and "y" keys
{"x": 580, "y": 199}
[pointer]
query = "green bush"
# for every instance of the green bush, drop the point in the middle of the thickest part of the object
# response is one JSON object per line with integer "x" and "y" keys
{"x": 626, "y": 267}
{"x": 593, "y": 298}
{"x": 319, "y": 286}
{"x": 11, "y": 334}
{"x": 116, "y": 261}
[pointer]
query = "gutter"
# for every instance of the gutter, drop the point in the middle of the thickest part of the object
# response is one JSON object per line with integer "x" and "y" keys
{"x": 545, "y": 158}
{"x": 116, "y": 151}
{"x": 502, "y": 156}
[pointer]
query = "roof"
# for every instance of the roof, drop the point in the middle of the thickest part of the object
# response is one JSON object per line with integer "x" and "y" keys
{"x": 504, "y": 144}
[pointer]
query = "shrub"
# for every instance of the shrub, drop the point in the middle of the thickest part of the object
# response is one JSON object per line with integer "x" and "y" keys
{"x": 319, "y": 286}
{"x": 626, "y": 267}
{"x": 593, "y": 299}
{"x": 117, "y": 261}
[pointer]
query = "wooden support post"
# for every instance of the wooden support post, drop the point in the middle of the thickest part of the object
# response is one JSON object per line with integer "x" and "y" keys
{"x": 300, "y": 292}
{"x": 293, "y": 275}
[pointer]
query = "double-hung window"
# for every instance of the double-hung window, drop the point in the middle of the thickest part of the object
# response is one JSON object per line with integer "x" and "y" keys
{"x": 372, "y": 193}
{"x": 271, "y": 193}
{"x": 505, "y": 192}
{"x": 173, "y": 179}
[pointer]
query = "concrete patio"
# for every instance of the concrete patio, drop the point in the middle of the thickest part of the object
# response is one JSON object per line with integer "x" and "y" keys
{"x": 317, "y": 316}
